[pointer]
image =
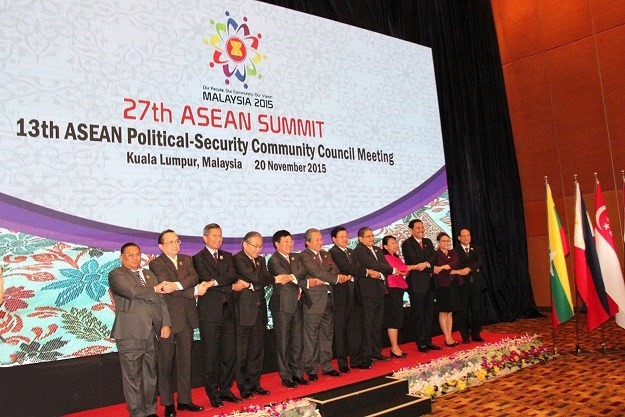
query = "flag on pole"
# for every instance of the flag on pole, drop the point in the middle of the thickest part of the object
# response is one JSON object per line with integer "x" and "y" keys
{"x": 610, "y": 265}
{"x": 588, "y": 278}
{"x": 561, "y": 301}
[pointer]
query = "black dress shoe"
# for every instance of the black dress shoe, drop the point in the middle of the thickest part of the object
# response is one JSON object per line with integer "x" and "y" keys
{"x": 466, "y": 341}
{"x": 333, "y": 372}
{"x": 402, "y": 356}
{"x": 260, "y": 390}
{"x": 190, "y": 407}
{"x": 313, "y": 377}
{"x": 365, "y": 365}
{"x": 216, "y": 402}
{"x": 289, "y": 383}
{"x": 434, "y": 347}
{"x": 170, "y": 411}
{"x": 152, "y": 415}
{"x": 230, "y": 398}
{"x": 246, "y": 394}
{"x": 454, "y": 343}
{"x": 383, "y": 358}
{"x": 301, "y": 380}
{"x": 424, "y": 348}
{"x": 344, "y": 369}
{"x": 478, "y": 339}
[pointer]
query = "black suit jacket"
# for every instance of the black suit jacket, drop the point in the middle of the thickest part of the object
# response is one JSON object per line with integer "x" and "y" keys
{"x": 372, "y": 287}
{"x": 419, "y": 281}
{"x": 210, "y": 305}
{"x": 250, "y": 303}
{"x": 472, "y": 260}
{"x": 181, "y": 303}
{"x": 284, "y": 298}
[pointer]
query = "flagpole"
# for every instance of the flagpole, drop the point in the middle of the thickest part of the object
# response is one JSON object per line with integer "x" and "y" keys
{"x": 603, "y": 347}
{"x": 578, "y": 348}
{"x": 553, "y": 331}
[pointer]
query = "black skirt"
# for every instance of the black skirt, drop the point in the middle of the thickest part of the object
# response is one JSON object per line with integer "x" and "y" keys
{"x": 393, "y": 309}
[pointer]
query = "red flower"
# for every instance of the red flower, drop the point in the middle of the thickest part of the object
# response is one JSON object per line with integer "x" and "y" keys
{"x": 13, "y": 298}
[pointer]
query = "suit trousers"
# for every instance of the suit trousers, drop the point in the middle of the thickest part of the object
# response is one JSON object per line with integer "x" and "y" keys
{"x": 318, "y": 335}
{"x": 372, "y": 315}
{"x": 137, "y": 358}
{"x": 250, "y": 355}
{"x": 289, "y": 333}
{"x": 219, "y": 350}
{"x": 470, "y": 314}
{"x": 177, "y": 346}
{"x": 422, "y": 306}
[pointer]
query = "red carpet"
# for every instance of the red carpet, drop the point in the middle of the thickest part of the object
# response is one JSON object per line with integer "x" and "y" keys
{"x": 280, "y": 393}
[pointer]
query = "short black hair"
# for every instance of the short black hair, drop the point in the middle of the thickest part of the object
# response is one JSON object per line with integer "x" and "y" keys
{"x": 336, "y": 231}
{"x": 128, "y": 245}
{"x": 412, "y": 222}
{"x": 163, "y": 233}
{"x": 277, "y": 237}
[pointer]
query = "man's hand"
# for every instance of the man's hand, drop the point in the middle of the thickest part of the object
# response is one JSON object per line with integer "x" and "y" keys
{"x": 313, "y": 282}
{"x": 373, "y": 273}
{"x": 203, "y": 286}
{"x": 159, "y": 288}
{"x": 343, "y": 278}
{"x": 240, "y": 285}
{"x": 283, "y": 279}
{"x": 421, "y": 266}
{"x": 165, "y": 332}
{"x": 169, "y": 287}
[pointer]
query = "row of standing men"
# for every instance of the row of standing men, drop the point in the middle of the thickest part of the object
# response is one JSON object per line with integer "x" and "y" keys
{"x": 320, "y": 299}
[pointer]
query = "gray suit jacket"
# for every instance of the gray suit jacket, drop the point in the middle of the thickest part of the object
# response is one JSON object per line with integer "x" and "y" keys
{"x": 138, "y": 308}
{"x": 326, "y": 271}
{"x": 284, "y": 297}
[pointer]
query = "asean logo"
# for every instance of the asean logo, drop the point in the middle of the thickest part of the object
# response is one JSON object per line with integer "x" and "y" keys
{"x": 236, "y": 50}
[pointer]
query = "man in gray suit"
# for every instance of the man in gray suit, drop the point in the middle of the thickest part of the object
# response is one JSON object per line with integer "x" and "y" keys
{"x": 177, "y": 268}
{"x": 141, "y": 316}
{"x": 286, "y": 304}
{"x": 319, "y": 317}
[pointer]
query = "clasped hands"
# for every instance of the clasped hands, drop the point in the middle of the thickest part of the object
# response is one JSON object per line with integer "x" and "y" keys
{"x": 240, "y": 285}
{"x": 165, "y": 287}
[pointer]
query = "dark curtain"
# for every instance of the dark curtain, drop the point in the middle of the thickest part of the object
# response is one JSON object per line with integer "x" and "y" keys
{"x": 482, "y": 172}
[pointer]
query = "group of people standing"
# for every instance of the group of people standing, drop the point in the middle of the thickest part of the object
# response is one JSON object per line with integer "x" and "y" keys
{"x": 341, "y": 299}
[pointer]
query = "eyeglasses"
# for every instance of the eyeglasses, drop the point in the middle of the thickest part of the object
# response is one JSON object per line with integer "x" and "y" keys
{"x": 255, "y": 246}
{"x": 172, "y": 242}
{"x": 367, "y": 236}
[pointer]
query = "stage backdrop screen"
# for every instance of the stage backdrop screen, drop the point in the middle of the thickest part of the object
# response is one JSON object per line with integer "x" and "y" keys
{"x": 120, "y": 120}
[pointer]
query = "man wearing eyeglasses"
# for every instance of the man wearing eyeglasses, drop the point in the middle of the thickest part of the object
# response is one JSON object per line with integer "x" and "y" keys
{"x": 251, "y": 314}
{"x": 175, "y": 268}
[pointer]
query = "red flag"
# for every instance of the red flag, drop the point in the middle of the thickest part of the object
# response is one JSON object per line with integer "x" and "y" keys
{"x": 588, "y": 278}
{"x": 610, "y": 265}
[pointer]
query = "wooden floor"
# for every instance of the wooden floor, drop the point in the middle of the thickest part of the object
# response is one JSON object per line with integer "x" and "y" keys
{"x": 586, "y": 384}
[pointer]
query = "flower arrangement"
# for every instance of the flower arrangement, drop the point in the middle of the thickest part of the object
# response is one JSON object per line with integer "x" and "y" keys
{"x": 292, "y": 408}
{"x": 468, "y": 368}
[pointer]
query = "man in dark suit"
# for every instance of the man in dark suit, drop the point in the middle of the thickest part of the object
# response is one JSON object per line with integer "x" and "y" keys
{"x": 177, "y": 268}
{"x": 217, "y": 316}
{"x": 251, "y": 310}
{"x": 318, "y": 318}
{"x": 286, "y": 305}
{"x": 470, "y": 265}
{"x": 372, "y": 288}
{"x": 141, "y": 317}
{"x": 347, "y": 305}
{"x": 419, "y": 250}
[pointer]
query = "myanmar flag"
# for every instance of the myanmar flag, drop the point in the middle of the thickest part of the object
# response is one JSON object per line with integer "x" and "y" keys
{"x": 561, "y": 301}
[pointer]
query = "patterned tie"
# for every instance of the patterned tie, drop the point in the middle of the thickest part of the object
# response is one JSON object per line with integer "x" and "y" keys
{"x": 466, "y": 250}
{"x": 138, "y": 274}
{"x": 216, "y": 256}
{"x": 319, "y": 259}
